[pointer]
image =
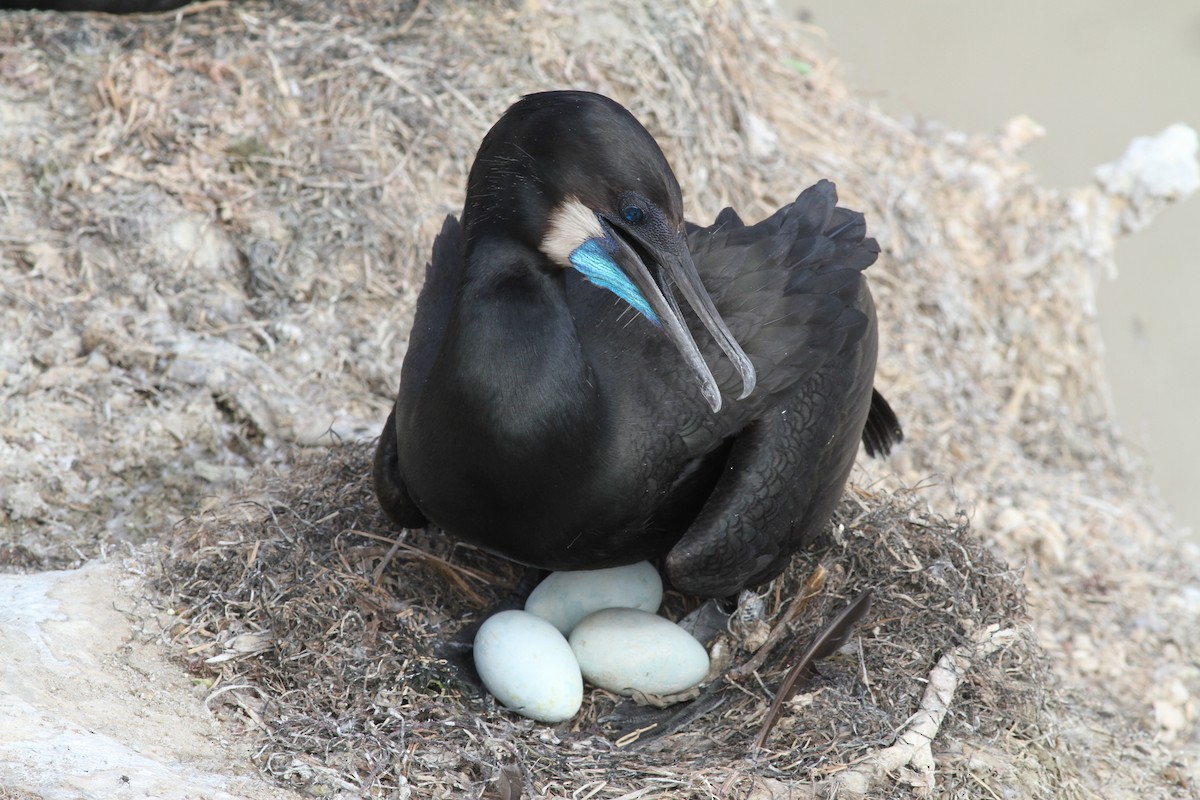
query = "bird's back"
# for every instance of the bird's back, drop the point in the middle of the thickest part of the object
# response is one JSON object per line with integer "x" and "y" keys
{"x": 791, "y": 288}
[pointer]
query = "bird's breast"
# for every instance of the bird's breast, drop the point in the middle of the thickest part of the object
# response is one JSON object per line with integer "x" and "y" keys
{"x": 553, "y": 430}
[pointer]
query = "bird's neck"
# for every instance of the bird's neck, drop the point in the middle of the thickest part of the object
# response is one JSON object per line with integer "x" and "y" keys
{"x": 516, "y": 355}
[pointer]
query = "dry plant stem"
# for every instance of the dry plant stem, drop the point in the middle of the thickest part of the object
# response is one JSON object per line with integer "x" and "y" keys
{"x": 811, "y": 588}
{"x": 835, "y": 634}
{"x": 295, "y": 589}
{"x": 913, "y": 746}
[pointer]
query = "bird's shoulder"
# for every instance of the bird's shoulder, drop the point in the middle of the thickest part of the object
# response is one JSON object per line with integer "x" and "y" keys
{"x": 443, "y": 277}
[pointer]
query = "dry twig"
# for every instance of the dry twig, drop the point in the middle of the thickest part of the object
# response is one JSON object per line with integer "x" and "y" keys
{"x": 913, "y": 746}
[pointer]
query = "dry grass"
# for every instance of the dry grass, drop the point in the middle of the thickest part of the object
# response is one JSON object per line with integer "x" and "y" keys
{"x": 329, "y": 636}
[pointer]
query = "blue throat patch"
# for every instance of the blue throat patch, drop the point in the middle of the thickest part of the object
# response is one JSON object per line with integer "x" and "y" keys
{"x": 594, "y": 261}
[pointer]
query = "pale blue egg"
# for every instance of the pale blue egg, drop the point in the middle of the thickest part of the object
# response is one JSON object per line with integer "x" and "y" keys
{"x": 626, "y": 649}
{"x": 564, "y": 598}
{"x": 528, "y": 666}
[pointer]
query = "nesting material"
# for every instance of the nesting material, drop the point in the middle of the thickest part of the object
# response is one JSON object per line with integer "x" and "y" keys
{"x": 358, "y": 683}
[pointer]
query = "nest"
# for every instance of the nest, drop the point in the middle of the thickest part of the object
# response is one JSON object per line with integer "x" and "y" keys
{"x": 326, "y": 632}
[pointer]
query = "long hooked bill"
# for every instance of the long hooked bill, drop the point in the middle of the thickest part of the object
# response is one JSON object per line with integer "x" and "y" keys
{"x": 679, "y": 269}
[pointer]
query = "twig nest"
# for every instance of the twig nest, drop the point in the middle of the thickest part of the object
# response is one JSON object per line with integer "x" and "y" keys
{"x": 627, "y": 650}
{"x": 528, "y": 666}
{"x": 564, "y": 598}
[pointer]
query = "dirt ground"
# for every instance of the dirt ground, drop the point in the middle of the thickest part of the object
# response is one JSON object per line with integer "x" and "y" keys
{"x": 212, "y": 227}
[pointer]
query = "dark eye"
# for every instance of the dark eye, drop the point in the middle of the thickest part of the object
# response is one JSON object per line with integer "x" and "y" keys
{"x": 632, "y": 214}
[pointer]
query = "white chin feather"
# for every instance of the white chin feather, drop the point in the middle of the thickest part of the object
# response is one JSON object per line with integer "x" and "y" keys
{"x": 571, "y": 224}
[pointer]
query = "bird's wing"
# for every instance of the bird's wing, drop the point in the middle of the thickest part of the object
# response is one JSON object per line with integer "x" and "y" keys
{"x": 792, "y": 291}
{"x": 783, "y": 478}
{"x": 788, "y": 287}
{"x": 443, "y": 275}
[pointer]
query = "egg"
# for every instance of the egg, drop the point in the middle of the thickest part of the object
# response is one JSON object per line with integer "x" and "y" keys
{"x": 626, "y": 650}
{"x": 528, "y": 666}
{"x": 564, "y": 598}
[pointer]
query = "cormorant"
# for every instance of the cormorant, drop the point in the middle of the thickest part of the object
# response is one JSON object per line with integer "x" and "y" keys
{"x": 560, "y": 407}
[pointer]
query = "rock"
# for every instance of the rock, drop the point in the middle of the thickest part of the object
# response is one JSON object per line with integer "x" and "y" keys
{"x": 93, "y": 708}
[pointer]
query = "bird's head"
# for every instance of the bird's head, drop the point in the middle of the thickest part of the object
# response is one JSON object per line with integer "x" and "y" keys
{"x": 576, "y": 177}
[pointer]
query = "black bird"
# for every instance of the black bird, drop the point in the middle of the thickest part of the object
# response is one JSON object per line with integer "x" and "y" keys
{"x": 560, "y": 407}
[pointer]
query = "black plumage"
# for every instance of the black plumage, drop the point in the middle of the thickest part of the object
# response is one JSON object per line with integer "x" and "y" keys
{"x": 558, "y": 406}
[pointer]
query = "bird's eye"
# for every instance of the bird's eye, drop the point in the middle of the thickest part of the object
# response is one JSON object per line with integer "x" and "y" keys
{"x": 632, "y": 214}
